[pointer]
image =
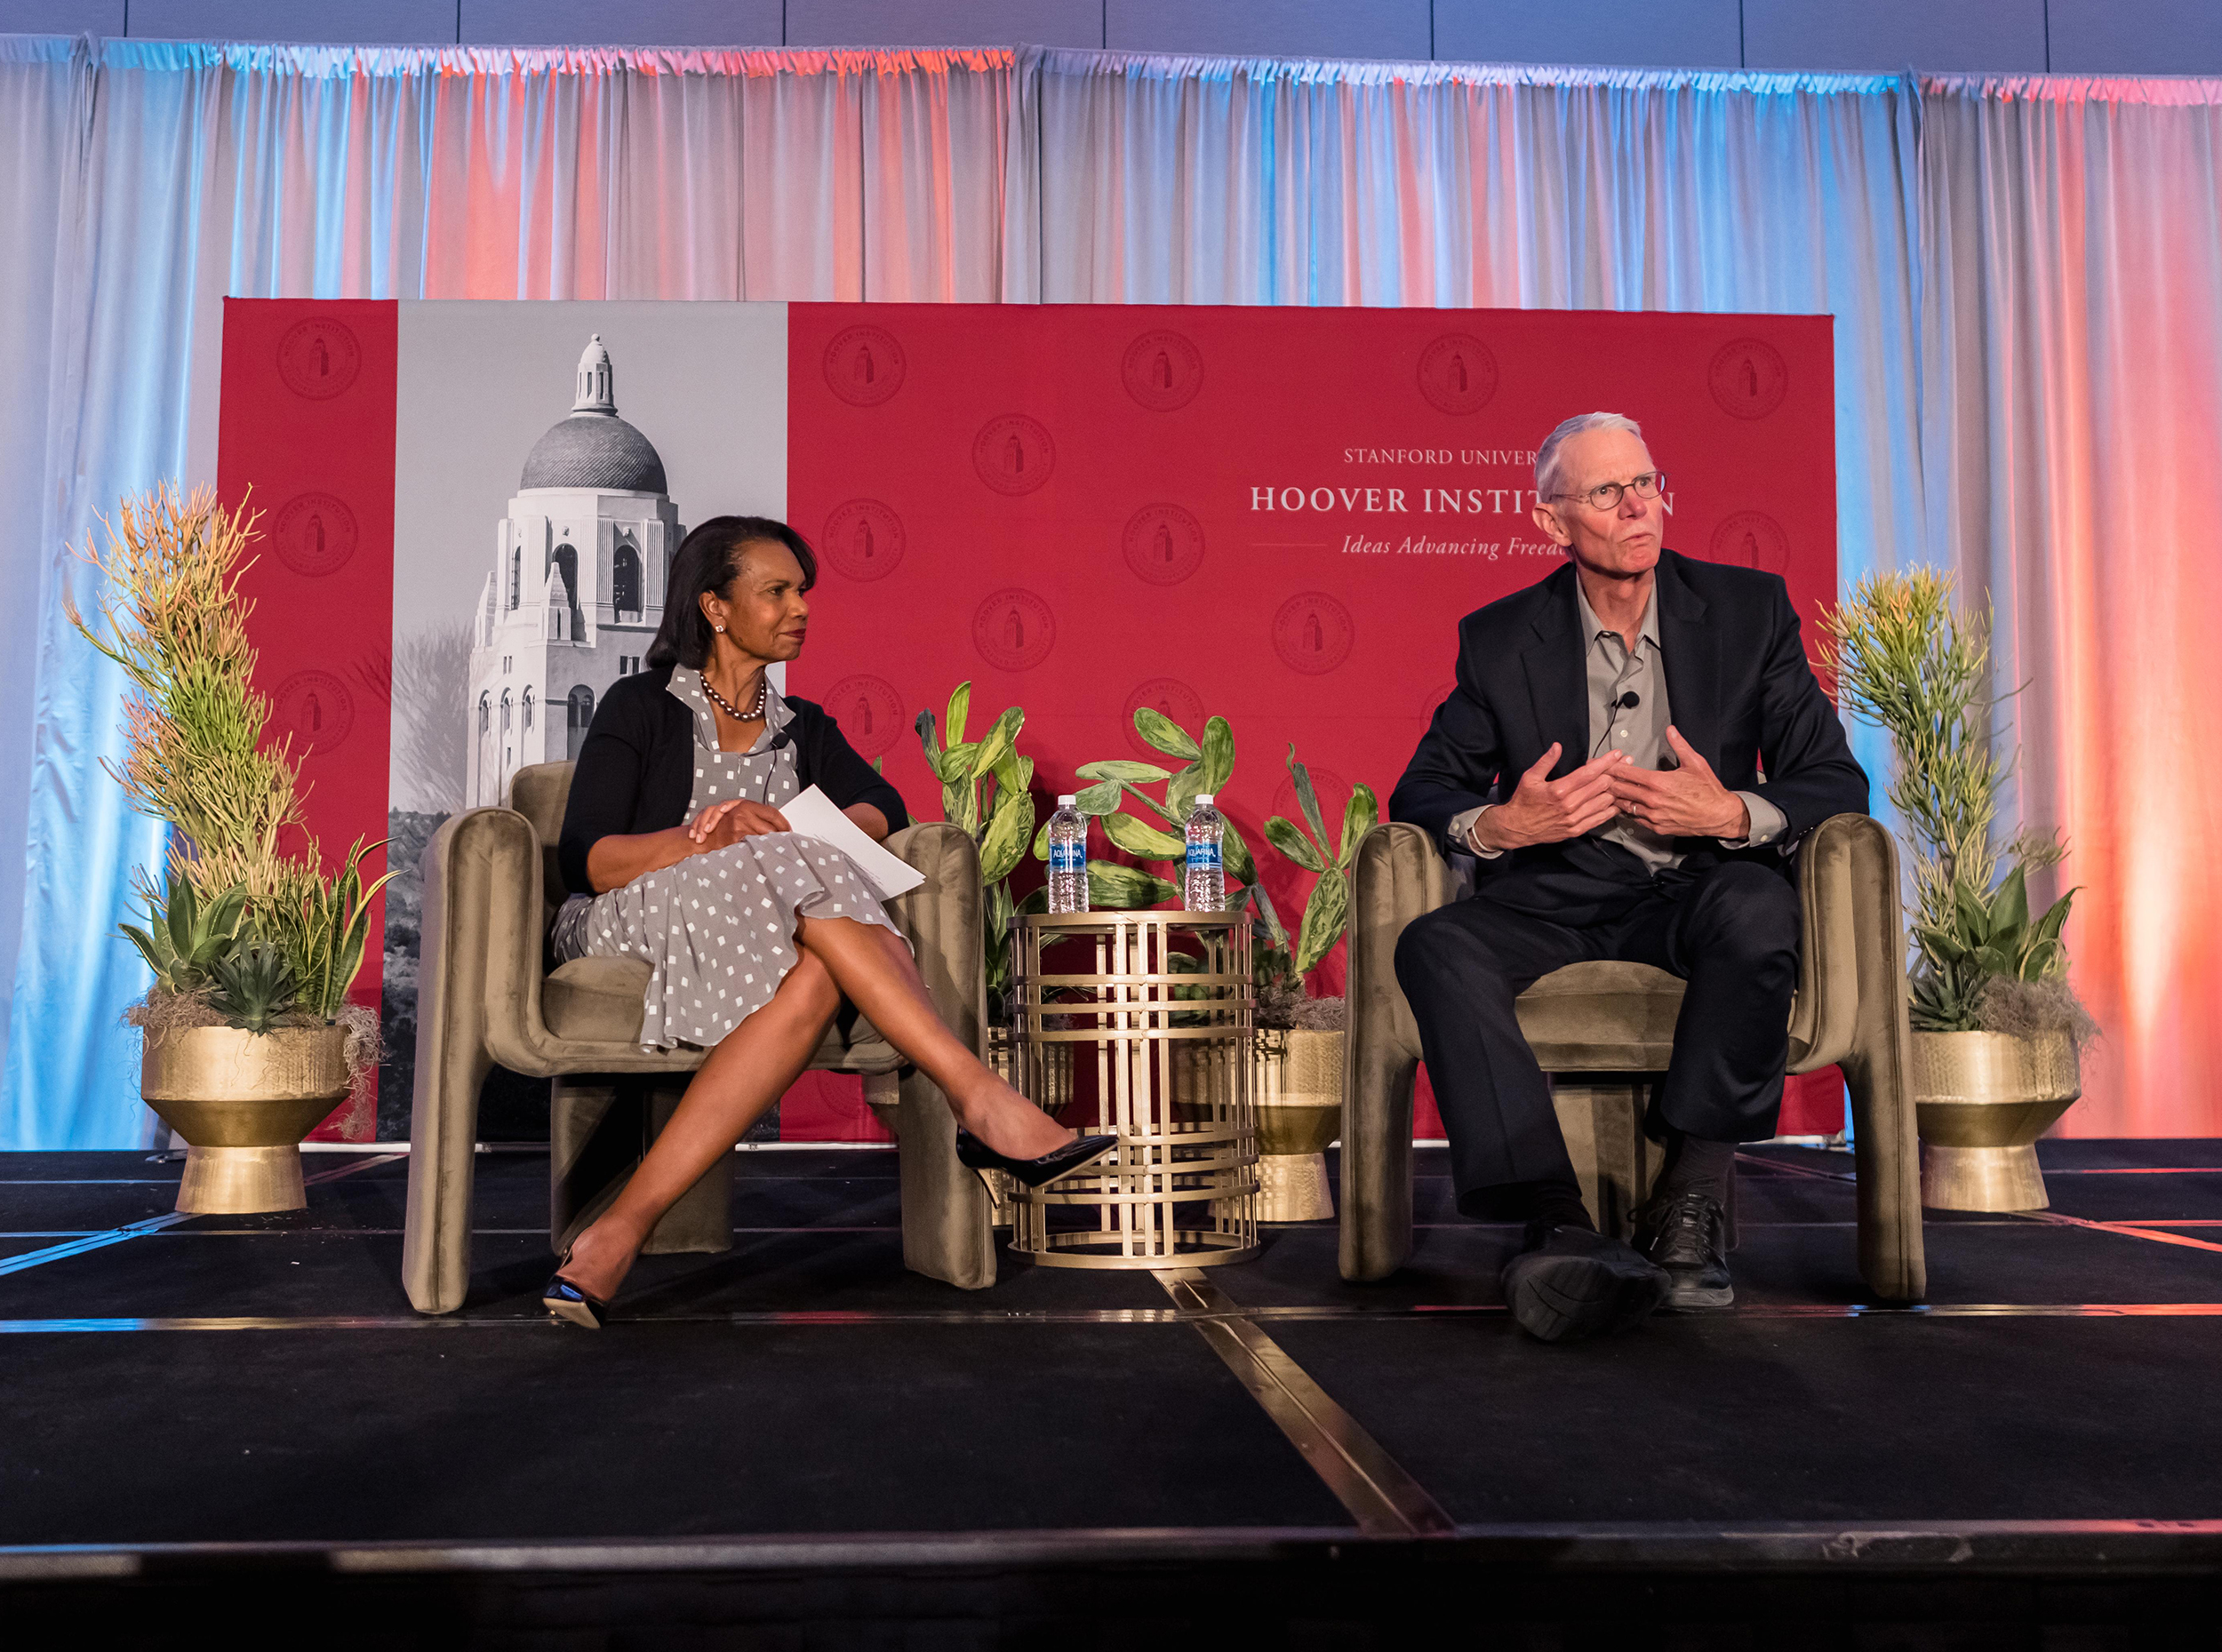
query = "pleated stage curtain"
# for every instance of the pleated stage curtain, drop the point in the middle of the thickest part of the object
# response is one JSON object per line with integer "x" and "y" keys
{"x": 2074, "y": 450}
{"x": 169, "y": 176}
{"x": 1986, "y": 403}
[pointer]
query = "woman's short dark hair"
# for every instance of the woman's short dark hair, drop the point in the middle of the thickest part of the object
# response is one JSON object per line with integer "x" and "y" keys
{"x": 709, "y": 559}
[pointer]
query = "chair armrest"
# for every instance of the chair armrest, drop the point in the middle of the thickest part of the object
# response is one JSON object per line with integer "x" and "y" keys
{"x": 947, "y": 1221}
{"x": 451, "y": 1056}
{"x": 942, "y": 919}
{"x": 1848, "y": 891}
{"x": 1398, "y": 877}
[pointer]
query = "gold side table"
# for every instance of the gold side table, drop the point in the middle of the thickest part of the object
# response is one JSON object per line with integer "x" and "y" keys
{"x": 1172, "y": 1075}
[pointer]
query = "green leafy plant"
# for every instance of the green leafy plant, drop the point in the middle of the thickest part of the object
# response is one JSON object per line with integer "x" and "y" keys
{"x": 1906, "y": 660}
{"x": 184, "y": 939}
{"x": 255, "y": 988}
{"x": 985, "y": 791}
{"x": 1327, "y": 913}
{"x": 1154, "y": 834}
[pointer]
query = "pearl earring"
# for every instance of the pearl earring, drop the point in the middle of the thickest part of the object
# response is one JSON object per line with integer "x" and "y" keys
{"x": 720, "y": 629}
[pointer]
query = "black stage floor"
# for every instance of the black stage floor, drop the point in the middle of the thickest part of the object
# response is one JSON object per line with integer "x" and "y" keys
{"x": 801, "y": 1433}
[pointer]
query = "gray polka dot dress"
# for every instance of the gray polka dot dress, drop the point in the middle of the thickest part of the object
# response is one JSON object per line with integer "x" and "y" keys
{"x": 718, "y": 929}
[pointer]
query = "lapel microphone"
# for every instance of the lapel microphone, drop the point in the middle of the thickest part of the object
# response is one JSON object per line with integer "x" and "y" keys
{"x": 1629, "y": 701}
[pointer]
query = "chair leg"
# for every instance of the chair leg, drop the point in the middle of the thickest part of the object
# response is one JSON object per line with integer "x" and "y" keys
{"x": 1893, "y": 1259}
{"x": 435, "y": 1257}
{"x": 1377, "y": 1161}
{"x": 945, "y": 1231}
{"x": 1614, "y": 1162}
{"x": 599, "y": 1130}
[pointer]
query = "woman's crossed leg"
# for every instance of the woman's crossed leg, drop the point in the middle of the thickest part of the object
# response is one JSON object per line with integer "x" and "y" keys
{"x": 753, "y": 1066}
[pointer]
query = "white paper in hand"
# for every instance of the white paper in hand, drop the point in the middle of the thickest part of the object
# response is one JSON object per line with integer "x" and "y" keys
{"x": 812, "y": 814}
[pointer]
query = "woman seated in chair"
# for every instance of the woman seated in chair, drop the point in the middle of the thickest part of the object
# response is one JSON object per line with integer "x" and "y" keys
{"x": 677, "y": 853}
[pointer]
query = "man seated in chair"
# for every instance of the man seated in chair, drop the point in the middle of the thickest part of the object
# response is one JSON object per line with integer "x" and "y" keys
{"x": 1600, "y": 756}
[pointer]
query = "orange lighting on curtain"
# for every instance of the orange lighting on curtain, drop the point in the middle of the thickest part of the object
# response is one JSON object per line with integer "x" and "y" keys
{"x": 2077, "y": 296}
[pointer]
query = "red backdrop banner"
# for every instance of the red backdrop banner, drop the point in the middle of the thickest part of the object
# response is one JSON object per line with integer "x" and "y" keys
{"x": 306, "y": 438}
{"x": 1276, "y": 516}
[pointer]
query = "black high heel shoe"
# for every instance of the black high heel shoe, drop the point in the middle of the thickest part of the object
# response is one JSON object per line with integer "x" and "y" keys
{"x": 566, "y": 1301}
{"x": 975, "y": 1154}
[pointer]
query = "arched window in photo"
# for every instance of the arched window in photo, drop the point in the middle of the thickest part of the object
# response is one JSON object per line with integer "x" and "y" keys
{"x": 579, "y": 708}
{"x": 625, "y": 583}
{"x": 564, "y": 560}
{"x": 485, "y": 710}
{"x": 528, "y": 704}
{"x": 516, "y": 577}
{"x": 505, "y": 706}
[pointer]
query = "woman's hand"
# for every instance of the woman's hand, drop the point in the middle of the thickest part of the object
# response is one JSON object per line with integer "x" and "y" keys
{"x": 721, "y": 824}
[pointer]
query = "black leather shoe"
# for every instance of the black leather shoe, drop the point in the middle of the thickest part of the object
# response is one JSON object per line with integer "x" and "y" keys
{"x": 1569, "y": 1283}
{"x": 975, "y": 1154}
{"x": 566, "y": 1301}
{"x": 1684, "y": 1235}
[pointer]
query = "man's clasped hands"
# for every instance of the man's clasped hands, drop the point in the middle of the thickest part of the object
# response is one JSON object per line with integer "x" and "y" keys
{"x": 1687, "y": 800}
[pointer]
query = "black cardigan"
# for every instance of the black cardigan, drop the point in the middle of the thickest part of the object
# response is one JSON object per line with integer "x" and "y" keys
{"x": 635, "y": 769}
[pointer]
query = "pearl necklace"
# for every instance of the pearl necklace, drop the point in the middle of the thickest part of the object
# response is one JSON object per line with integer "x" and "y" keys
{"x": 754, "y": 711}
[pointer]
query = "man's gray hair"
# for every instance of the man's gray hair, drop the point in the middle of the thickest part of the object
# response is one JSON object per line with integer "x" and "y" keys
{"x": 1547, "y": 457}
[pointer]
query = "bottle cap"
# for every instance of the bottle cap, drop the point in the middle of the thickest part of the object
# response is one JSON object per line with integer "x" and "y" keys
{"x": 1203, "y": 798}
{"x": 1064, "y": 798}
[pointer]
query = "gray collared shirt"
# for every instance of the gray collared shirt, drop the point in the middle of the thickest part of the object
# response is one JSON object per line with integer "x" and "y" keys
{"x": 1639, "y": 730}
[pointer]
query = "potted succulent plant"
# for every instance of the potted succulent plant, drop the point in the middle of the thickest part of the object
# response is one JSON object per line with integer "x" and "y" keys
{"x": 1996, "y": 1026}
{"x": 250, "y": 1039}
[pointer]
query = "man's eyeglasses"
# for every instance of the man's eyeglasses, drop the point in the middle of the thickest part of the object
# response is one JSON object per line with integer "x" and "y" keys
{"x": 1606, "y": 495}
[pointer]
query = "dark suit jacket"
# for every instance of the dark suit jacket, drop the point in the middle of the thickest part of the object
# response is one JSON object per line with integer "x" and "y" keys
{"x": 1739, "y": 690}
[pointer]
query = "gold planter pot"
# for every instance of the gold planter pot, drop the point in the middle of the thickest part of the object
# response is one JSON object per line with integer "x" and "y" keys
{"x": 1298, "y": 1092}
{"x": 1982, "y": 1100}
{"x": 243, "y": 1101}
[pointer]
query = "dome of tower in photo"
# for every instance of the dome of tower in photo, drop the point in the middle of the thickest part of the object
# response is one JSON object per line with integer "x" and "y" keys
{"x": 593, "y": 447}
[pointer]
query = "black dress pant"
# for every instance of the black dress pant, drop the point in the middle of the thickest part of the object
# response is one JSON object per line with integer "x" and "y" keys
{"x": 1729, "y": 929}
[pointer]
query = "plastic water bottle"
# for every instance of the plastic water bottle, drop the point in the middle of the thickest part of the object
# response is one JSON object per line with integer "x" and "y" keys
{"x": 1068, "y": 856}
{"x": 1204, "y": 886}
